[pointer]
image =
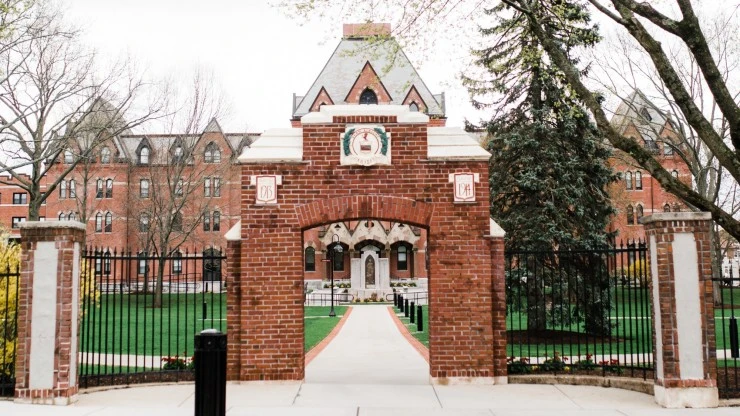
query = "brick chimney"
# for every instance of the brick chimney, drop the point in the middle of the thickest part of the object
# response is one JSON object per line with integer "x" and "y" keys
{"x": 365, "y": 30}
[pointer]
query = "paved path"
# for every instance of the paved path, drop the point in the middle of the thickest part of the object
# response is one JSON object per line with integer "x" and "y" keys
{"x": 368, "y": 370}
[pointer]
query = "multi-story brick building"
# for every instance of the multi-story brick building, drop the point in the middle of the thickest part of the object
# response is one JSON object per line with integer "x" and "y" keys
{"x": 637, "y": 193}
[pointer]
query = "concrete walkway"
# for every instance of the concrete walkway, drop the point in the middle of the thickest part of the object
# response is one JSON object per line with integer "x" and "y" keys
{"x": 368, "y": 370}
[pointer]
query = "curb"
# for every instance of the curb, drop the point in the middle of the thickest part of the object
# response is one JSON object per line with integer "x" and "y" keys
{"x": 313, "y": 352}
{"x": 418, "y": 346}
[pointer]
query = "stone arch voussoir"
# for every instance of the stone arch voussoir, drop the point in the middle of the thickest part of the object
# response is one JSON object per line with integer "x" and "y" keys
{"x": 382, "y": 207}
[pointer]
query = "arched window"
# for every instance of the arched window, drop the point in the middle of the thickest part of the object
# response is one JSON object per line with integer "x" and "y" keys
{"x": 99, "y": 189}
{"x": 109, "y": 188}
{"x": 61, "y": 216}
{"x": 105, "y": 155}
{"x": 630, "y": 215}
{"x": 216, "y": 221}
{"x": 206, "y": 221}
{"x": 177, "y": 262}
{"x": 667, "y": 149}
{"x": 368, "y": 97}
{"x": 212, "y": 153}
{"x": 402, "y": 263}
{"x": 62, "y": 189}
{"x": 144, "y": 188}
{"x": 676, "y": 207}
{"x": 646, "y": 114}
{"x": 177, "y": 222}
{"x": 628, "y": 180}
{"x": 414, "y": 107}
{"x": 638, "y": 180}
{"x": 108, "y": 222}
{"x": 99, "y": 223}
{"x": 144, "y": 156}
{"x": 310, "y": 259}
{"x": 68, "y": 157}
{"x": 674, "y": 174}
{"x": 106, "y": 263}
{"x": 72, "y": 189}
{"x": 337, "y": 256}
{"x": 144, "y": 223}
{"x": 667, "y": 208}
{"x": 71, "y": 216}
{"x": 639, "y": 211}
{"x": 178, "y": 154}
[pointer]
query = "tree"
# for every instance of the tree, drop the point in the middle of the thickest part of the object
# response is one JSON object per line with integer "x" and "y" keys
{"x": 52, "y": 98}
{"x": 548, "y": 173}
{"x": 645, "y": 22}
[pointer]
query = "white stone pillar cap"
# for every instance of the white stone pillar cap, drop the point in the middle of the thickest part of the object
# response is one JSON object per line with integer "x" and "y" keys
{"x": 676, "y": 216}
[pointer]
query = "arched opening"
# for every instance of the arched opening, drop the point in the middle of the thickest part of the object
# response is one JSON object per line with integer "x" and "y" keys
{"x": 368, "y": 96}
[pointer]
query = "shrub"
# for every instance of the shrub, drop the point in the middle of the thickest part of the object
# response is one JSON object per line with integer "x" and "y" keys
{"x": 554, "y": 364}
{"x": 174, "y": 363}
{"x": 520, "y": 366}
{"x": 585, "y": 365}
{"x": 10, "y": 259}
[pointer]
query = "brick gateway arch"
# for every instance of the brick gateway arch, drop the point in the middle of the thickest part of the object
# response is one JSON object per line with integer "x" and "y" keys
{"x": 295, "y": 179}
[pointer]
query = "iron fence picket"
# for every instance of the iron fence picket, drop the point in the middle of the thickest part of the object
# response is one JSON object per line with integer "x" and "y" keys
{"x": 728, "y": 363}
{"x": 9, "y": 280}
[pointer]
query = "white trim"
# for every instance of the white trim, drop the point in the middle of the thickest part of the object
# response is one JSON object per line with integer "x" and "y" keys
{"x": 402, "y": 112}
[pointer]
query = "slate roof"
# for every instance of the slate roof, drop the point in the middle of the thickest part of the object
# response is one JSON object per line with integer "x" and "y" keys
{"x": 346, "y": 63}
{"x": 638, "y": 110}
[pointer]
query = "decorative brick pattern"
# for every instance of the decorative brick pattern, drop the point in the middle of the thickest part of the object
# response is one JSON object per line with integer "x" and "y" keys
{"x": 64, "y": 388}
{"x": 269, "y": 344}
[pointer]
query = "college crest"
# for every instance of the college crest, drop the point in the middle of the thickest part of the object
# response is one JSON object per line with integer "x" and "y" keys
{"x": 365, "y": 145}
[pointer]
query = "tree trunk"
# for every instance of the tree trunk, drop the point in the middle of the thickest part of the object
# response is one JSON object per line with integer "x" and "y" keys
{"x": 157, "y": 301}
{"x": 716, "y": 267}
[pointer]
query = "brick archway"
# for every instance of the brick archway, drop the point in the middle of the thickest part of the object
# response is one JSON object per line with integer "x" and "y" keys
{"x": 265, "y": 298}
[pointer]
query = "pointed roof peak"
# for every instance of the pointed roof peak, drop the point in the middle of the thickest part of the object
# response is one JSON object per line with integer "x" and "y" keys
{"x": 213, "y": 127}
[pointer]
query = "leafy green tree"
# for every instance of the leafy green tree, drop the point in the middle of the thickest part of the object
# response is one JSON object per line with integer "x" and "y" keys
{"x": 548, "y": 173}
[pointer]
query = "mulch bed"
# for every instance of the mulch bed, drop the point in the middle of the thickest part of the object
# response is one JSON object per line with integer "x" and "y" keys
{"x": 137, "y": 378}
{"x": 728, "y": 381}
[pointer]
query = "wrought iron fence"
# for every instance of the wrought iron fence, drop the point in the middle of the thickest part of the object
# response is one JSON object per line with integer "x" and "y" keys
{"x": 726, "y": 330}
{"x": 140, "y": 313}
{"x": 9, "y": 282}
{"x": 585, "y": 312}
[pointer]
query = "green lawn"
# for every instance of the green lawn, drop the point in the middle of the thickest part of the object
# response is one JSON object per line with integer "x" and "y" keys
{"x": 422, "y": 336}
{"x": 318, "y": 325}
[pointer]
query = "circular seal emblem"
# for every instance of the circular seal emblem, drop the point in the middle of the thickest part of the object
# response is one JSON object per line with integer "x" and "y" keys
{"x": 365, "y": 145}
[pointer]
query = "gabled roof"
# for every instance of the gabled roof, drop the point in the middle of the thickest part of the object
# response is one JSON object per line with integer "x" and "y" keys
{"x": 342, "y": 69}
{"x": 639, "y": 111}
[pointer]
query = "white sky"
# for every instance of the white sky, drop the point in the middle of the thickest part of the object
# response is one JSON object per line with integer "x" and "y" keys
{"x": 257, "y": 56}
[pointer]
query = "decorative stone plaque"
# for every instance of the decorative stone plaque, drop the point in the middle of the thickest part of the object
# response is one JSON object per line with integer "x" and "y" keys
{"x": 365, "y": 145}
{"x": 266, "y": 188}
{"x": 464, "y": 184}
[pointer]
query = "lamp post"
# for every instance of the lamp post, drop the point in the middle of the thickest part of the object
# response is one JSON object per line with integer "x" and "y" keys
{"x": 337, "y": 249}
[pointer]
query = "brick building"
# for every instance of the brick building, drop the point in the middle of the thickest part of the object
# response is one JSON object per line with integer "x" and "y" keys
{"x": 637, "y": 193}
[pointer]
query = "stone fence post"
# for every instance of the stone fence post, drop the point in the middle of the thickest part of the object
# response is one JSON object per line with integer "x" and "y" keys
{"x": 48, "y": 311}
{"x": 683, "y": 309}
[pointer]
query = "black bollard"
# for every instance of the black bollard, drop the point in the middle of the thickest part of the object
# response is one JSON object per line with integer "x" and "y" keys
{"x": 406, "y": 308}
{"x": 419, "y": 319}
{"x": 400, "y": 303}
{"x": 411, "y": 313}
{"x": 210, "y": 373}
{"x": 734, "y": 347}
{"x": 395, "y": 299}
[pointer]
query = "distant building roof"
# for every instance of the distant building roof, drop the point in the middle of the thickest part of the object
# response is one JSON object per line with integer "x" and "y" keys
{"x": 639, "y": 111}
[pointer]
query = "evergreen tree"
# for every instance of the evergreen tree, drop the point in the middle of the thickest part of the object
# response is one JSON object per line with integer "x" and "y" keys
{"x": 548, "y": 173}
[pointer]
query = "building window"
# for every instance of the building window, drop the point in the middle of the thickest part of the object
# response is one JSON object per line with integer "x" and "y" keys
{"x": 207, "y": 221}
{"x": 368, "y": 97}
{"x": 638, "y": 180}
{"x": 98, "y": 264}
{"x": 674, "y": 174}
{"x": 68, "y": 158}
{"x": 144, "y": 188}
{"x": 106, "y": 263}
{"x": 177, "y": 222}
{"x": 646, "y": 114}
{"x": 72, "y": 189}
{"x": 676, "y": 207}
{"x": 667, "y": 149}
{"x": 61, "y": 216}
{"x": 414, "y": 107}
{"x": 639, "y": 212}
{"x": 144, "y": 223}
{"x": 630, "y": 215}
{"x": 99, "y": 223}
{"x": 105, "y": 155}
{"x": 71, "y": 216}
{"x": 402, "y": 263}
{"x": 628, "y": 180}
{"x": 108, "y": 222}
{"x": 310, "y": 259}
{"x": 652, "y": 146}
{"x": 99, "y": 189}
{"x": 338, "y": 259}
{"x": 62, "y": 189}
{"x": 142, "y": 263}
{"x": 178, "y": 154}
{"x": 212, "y": 153}
{"x": 20, "y": 198}
{"x": 109, "y": 188}
{"x": 216, "y": 187}
{"x": 177, "y": 262}
{"x": 178, "y": 187}
{"x": 667, "y": 208}
{"x": 144, "y": 156}
{"x": 216, "y": 221}
{"x": 17, "y": 221}
{"x": 207, "y": 187}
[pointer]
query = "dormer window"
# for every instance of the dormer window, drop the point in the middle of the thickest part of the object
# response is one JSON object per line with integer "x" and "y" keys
{"x": 144, "y": 156}
{"x": 368, "y": 97}
{"x": 178, "y": 154}
{"x": 414, "y": 107}
{"x": 68, "y": 158}
{"x": 646, "y": 114}
{"x": 212, "y": 153}
{"x": 105, "y": 155}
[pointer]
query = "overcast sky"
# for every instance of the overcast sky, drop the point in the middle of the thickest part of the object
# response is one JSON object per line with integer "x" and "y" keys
{"x": 258, "y": 56}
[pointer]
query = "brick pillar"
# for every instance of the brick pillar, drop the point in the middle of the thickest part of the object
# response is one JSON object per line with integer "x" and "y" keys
{"x": 48, "y": 312}
{"x": 233, "y": 301}
{"x": 683, "y": 309}
{"x": 500, "y": 370}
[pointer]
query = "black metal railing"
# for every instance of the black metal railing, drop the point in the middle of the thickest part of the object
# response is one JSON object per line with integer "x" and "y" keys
{"x": 140, "y": 313}
{"x": 726, "y": 307}
{"x": 586, "y": 312}
{"x": 324, "y": 299}
{"x": 9, "y": 284}
{"x": 419, "y": 297}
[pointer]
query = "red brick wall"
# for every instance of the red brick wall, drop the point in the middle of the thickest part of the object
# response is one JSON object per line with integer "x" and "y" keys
{"x": 320, "y": 191}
